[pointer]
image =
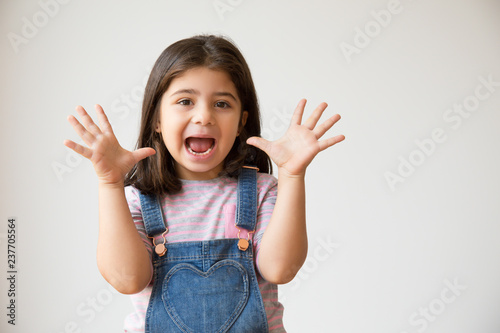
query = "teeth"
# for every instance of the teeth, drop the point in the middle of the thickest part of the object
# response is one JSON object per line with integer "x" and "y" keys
{"x": 200, "y": 154}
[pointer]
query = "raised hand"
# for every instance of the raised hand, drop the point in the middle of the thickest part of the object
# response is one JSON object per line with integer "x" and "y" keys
{"x": 293, "y": 152}
{"x": 111, "y": 162}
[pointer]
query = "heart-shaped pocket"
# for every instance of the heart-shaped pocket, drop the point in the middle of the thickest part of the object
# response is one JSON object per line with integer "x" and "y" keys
{"x": 208, "y": 301}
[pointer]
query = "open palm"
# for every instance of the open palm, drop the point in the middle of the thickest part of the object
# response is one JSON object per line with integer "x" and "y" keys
{"x": 111, "y": 162}
{"x": 300, "y": 144}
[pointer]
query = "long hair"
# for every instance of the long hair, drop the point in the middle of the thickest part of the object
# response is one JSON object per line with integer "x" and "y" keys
{"x": 156, "y": 174}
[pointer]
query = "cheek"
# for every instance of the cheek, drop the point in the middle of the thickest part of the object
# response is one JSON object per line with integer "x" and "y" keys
{"x": 173, "y": 135}
{"x": 169, "y": 124}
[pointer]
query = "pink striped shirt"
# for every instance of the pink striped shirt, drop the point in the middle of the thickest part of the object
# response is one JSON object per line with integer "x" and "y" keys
{"x": 205, "y": 210}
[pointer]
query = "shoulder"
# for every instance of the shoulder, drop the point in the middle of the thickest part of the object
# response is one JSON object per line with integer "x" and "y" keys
{"x": 265, "y": 180}
{"x": 130, "y": 190}
{"x": 132, "y": 196}
{"x": 267, "y": 187}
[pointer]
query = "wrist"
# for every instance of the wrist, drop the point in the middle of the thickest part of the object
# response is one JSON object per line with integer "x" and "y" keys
{"x": 284, "y": 173}
{"x": 111, "y": 185}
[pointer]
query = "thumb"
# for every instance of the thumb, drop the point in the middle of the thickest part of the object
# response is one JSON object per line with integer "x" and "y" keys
{"x": 260, "y": 143}
{"x": 142, "y": 153}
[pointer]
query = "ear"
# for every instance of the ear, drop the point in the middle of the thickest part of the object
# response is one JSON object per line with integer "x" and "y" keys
{"x": 244, "y": 117}
{"x": 158, "y": 127}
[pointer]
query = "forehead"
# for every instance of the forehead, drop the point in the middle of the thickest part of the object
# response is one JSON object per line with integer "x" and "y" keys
{"x": 204, "y": 80}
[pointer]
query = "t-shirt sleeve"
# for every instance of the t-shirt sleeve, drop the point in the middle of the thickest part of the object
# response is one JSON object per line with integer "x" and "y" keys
{"x": 134, "y": 204}
{"x": 267, "y": 186}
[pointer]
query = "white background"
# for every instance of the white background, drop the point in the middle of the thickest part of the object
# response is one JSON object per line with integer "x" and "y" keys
{"x": 379, "y": 256}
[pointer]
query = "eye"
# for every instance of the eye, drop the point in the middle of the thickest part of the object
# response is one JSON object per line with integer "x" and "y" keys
{"x": 185, "y": 102}
{"x": 222, "y": 105}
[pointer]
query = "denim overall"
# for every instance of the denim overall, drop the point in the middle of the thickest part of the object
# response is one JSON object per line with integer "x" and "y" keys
{"x": 206, "y": 286}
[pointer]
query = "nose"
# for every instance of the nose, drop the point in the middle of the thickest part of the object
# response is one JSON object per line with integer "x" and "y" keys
{"x": 203, "y": 115}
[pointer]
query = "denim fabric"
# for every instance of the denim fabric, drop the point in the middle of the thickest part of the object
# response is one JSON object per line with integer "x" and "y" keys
{"x": 206, "y": 286}
{"x": 152, "y": 215}
{"x": 246, "y": 205}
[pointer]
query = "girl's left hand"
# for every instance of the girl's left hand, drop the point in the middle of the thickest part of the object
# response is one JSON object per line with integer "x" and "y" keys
{"x": 293, "y": 152}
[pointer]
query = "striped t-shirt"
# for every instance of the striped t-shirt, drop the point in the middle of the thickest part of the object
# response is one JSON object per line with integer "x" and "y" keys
{"x": 205, "y": 210}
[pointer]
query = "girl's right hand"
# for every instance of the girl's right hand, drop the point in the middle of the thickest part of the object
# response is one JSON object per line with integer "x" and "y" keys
{"x": 111, "y": 161}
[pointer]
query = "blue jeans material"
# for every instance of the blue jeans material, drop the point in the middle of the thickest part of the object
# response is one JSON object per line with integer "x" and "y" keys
{"x": 206, "y": 286}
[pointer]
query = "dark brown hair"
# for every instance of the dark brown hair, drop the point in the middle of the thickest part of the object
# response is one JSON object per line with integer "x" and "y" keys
{"x": 156, "y": 174}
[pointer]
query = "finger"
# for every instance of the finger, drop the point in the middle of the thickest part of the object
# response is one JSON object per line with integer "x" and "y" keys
{"x": 299, "y": 111}
{"x": 82, "y": 132}
{"x": 260, "y": 143}
{"x": 87, "y": 121}
{"x": 314, "y": 117}
{"x": 84, "y": 151}
{"x": 103, "y": 119}
{"x": 323, "y": 144}
{"x": 142, "y": 153}
{"x": 323, "y": 128}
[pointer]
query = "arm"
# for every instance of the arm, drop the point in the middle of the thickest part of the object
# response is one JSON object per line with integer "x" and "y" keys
{"x": 122, "y": 257}
{"x": 283, "y": 248}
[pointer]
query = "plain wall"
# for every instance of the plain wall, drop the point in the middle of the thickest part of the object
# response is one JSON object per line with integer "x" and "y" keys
{"x": 403, "y": 217}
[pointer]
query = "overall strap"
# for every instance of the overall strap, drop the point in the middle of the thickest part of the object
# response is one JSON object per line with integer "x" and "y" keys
{"x": 152, "y": 214}
{"x": 246, "y": 205}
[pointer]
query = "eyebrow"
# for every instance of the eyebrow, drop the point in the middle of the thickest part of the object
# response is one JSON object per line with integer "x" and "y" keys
{"x": 196, "y": 92}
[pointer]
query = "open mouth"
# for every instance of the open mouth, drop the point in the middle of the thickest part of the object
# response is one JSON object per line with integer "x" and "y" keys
{"x": 200, "y": 146}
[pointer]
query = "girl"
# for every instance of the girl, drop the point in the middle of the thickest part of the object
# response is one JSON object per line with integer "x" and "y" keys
{"x": 186, "y": 224}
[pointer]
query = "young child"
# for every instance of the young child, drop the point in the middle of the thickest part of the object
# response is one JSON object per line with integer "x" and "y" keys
{"x": 186, "y": 223}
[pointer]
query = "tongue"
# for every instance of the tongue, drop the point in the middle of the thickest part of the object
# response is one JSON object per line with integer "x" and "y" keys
{"x": 199, "y": 145}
